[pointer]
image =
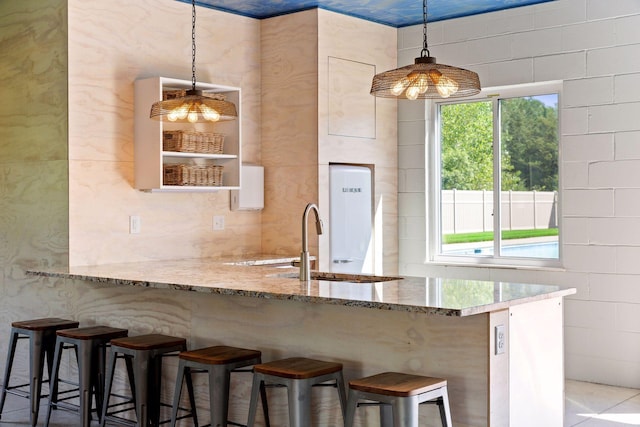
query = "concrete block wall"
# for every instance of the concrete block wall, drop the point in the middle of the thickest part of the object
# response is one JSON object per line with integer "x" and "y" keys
{"x": 593, "y": 47}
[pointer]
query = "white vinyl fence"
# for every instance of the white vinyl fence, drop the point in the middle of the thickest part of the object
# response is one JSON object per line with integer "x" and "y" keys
{"x": 466, "y": 211}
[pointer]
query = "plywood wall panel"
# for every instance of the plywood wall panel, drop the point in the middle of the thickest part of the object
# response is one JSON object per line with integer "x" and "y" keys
{"x": 110, "y": 46}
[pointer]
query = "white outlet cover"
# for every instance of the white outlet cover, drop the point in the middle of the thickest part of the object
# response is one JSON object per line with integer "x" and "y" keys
{"x": 218, "y": 222}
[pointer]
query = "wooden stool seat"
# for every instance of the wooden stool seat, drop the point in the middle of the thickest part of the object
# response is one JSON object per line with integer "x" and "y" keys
{"x": 220, "y": 355}
{"x": 298, "y": 368}
{"x": 90, "y": 345}
{"x": 149, "y": 342}
{"x": 218, "y": 362}
{"x": 399, "y": 395}
{"x": 298, "y": 375}
{"x": 144, "y": 353}
{"x": 41, "y": 334}
{"x": 46, "y": 324}
{"x": 397, "y": 384}
{"x": 93, "y": 332}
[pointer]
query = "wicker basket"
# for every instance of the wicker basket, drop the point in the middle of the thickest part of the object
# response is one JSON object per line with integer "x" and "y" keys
{"x": 192, "y": 142}
{"x": 193, "y": 175}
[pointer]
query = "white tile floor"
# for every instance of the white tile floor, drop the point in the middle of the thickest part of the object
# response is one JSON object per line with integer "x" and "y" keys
{"x": 586, "y": 405}
{"x": 594, "y": 405}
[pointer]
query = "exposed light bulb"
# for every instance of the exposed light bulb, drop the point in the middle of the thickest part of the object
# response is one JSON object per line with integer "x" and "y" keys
{"x": 419, "y": 80}
{"x": 173, "y": 115}
{"x": 423, "y": 83}
{"x": 209, "y": 113}
{"x": 400, "y": 86}
{"x": 412, "y": 92}
{"x": 193, "y": 115}
{"x": 444, "y": 85}
{"x": 182, "y": 111}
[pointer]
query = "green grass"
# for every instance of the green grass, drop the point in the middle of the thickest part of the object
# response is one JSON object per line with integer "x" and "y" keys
{"x": 506, "y": 235}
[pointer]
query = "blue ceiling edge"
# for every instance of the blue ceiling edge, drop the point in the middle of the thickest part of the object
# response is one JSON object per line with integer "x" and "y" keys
{"x": 387, "y": 23}
{"x": 488, "y": 10}
{"x": 254, "y": 16}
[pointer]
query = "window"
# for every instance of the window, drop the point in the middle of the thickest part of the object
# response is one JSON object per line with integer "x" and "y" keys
{"x": 496, "y": 168}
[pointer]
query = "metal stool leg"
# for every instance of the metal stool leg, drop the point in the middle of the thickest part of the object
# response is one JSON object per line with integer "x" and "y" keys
{"x": 219, "y": 379}
{"x": 99, "y": 361}
{"x": 7, "y": 369}
{"x": 258, "y": 383}
{"x": 192, "y": 399}
{"x": 405, "y": 411}
{"x": 341, "y": 393}
{"x": 352, "y": 404}
{"x": 178, "y": 391}
{"x": 386, "y": 415}
{"x": 140, "y": 378}
{"x": 111, "y": 363}
{"x": 53, "y": 381}
{"x": 85, "y": 356}
{"x": 36, "y": 358}
{"x": 265, "y": 406}
{"x": 299, "y": 392}
{"x": 445, "y": 411}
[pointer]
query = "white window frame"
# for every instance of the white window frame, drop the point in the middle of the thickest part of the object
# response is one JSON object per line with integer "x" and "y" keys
{"x": 434, "y": 184}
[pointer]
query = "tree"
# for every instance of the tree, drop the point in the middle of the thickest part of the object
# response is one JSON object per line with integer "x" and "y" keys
{"x": 529, "y": 156}
{"x": 467, "y": 138}
{"x": 530, "y": 138}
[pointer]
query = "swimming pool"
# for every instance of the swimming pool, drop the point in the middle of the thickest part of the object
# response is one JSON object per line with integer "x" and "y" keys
{"x": 547, "y": 250}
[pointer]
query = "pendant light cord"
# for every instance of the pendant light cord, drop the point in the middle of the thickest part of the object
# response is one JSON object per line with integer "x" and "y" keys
{"x": 425, "y": 47}
{"x": 193, "y": 44}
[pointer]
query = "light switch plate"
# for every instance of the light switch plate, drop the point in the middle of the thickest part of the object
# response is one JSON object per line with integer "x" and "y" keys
{"x": 134, "y": 224}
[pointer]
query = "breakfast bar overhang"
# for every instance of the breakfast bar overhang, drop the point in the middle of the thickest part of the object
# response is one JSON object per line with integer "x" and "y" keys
{"x": 499, "y": 344}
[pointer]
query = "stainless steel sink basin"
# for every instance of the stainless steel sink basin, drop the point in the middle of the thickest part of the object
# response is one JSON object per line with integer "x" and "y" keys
{"x": 341, "y": 277}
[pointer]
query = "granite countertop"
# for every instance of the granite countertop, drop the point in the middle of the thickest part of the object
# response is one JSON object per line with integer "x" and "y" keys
{"x": 257, "y": 277}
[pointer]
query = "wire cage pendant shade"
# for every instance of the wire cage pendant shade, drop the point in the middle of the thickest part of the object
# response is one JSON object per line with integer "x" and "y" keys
{"x": 195, "y": 106}
{"x": 425, "y": 78}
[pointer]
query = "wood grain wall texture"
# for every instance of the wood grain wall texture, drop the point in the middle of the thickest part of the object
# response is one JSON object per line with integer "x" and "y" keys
{"x": 110, "y": 46}
{"x": 33, "y": 160}
{"x": 374, "y": 341}
{"x": 312, "y": 117}
{"x": 289, "y": 128}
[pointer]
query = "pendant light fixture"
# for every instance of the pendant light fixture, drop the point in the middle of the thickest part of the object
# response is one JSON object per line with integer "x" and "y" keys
{"x": 425, "y": 78}
{"x": 194, "y": 107}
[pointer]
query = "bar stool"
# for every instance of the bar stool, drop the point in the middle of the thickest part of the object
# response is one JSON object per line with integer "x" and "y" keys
{"x": 146, "y": 353}
{"x": 298, "y": 374}
{"x": 90, "y": 345}
{"x": 41, "y": 334}
{"x": 219, "y": 362}
{"x": 404, "y": 393}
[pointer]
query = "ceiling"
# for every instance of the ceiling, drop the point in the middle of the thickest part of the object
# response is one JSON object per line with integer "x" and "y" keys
{"x": 395, "y": 13}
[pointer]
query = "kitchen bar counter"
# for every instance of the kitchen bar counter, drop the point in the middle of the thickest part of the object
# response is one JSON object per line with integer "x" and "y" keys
{"x": 500, "y": 345}
{"x": 256, "y": 277}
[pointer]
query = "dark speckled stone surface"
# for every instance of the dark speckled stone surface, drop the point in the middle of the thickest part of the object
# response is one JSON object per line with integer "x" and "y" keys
{"x": 255, "y": 278}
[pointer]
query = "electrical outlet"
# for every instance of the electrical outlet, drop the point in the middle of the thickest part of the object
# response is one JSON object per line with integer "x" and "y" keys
{"x": 501, "y": 339}
{"x": 134, "y": 224}
{"x": 218, "y": 222}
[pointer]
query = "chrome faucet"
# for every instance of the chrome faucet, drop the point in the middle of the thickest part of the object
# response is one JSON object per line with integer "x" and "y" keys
{"x": 305, "y": 269}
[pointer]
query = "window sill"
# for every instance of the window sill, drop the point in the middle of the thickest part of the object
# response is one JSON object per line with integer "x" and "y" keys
{"x": 497, "y": 265}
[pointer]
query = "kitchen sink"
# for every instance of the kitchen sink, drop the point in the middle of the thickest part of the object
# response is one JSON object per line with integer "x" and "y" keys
{"x": 341, "y": 277}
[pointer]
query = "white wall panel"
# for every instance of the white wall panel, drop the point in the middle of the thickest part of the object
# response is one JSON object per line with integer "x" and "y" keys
{"x": 583, "y": 92}
{"x": 627, "y": 202}
{"x": 593, "y": 147}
